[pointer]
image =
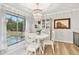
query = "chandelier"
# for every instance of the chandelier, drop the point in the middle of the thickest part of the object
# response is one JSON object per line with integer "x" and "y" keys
{"x": 37, "y": 13}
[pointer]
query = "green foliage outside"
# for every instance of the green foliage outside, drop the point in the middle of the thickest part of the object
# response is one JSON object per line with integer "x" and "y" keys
{"x": 12, "y": 26}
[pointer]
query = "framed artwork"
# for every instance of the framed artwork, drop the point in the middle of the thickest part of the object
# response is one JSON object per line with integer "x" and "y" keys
{"x": 62, "y": 23}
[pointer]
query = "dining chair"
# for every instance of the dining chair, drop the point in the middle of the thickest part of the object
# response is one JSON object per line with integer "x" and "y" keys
{"x": 49, "y": 42}
{"x": 32, "y": 45}
{"x": 32, "y": 48}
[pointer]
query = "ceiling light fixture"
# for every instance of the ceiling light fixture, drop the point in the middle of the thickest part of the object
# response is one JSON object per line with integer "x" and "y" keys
{"x": 37, "y": 13}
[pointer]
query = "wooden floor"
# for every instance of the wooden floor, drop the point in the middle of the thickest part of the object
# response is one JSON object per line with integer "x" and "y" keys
{"x": 62, "y": 48}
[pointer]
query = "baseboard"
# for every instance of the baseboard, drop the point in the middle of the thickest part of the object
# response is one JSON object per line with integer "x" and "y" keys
{"x": 64, "y": 41}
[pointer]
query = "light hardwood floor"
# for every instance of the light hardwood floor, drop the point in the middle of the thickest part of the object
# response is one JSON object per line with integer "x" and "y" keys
{"x": 62, "y": 48}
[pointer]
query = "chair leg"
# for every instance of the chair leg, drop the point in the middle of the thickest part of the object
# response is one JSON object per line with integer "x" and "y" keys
{"x": 53, "y": 48}
{"x": 39, "y": 50}
{"x": 43, "y": 48}
{"x": 35, "y": 52}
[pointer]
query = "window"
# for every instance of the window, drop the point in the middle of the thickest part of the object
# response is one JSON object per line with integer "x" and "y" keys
{"x": 15, "y": 29}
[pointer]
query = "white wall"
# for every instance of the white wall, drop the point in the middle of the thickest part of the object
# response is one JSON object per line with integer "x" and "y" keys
{"x": 29, "y": 23}
{"x": 66, "y": 35}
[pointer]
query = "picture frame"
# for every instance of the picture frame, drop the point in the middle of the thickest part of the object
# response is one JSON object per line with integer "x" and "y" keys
{"x": 62, "y": 23}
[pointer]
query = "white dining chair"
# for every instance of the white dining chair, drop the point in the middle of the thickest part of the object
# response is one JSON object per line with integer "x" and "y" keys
{"x": 32, "y": 45}
{"x": 49, "y": 42}
{"x": 31, "y": 48}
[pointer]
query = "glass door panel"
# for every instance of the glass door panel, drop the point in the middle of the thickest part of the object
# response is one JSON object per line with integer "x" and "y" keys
{"x": 11, "y": 30}
{"x": 15, "y": 29}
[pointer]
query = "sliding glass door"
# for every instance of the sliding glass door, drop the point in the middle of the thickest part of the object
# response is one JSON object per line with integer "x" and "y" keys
{"x": 15, "y": 29}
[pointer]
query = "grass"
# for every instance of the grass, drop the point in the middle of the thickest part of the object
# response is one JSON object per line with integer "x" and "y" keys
{"x": 14, "y": 33}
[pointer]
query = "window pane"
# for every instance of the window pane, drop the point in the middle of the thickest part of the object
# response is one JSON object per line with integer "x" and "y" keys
{"x": 11, "y": 30}
{"x": 14, "y": 18}
{"x": 8, "y": 16}
{"x": 15, "y": 28}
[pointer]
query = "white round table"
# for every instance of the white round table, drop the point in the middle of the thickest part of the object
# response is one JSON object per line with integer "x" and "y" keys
{"x": 36, "y": 36}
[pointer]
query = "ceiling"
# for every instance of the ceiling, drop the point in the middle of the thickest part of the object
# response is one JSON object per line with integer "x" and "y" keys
{"x": 47, "y": 7}
{"x": 58, "y": 7}
{"x": 33, "y": 6}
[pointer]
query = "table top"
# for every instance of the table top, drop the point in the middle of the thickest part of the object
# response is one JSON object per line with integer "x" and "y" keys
{"x": 36, "y": 36}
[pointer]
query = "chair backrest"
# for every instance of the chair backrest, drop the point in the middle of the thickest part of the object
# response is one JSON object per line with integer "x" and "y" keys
{"x": 31, "y": 38}
{"x": 53, "y": 35}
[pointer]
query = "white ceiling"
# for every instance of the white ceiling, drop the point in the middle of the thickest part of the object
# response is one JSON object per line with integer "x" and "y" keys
{"x": 47, "y": 7}
{"x": 33, "y": 6}
{"x": 62, "y": 7}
